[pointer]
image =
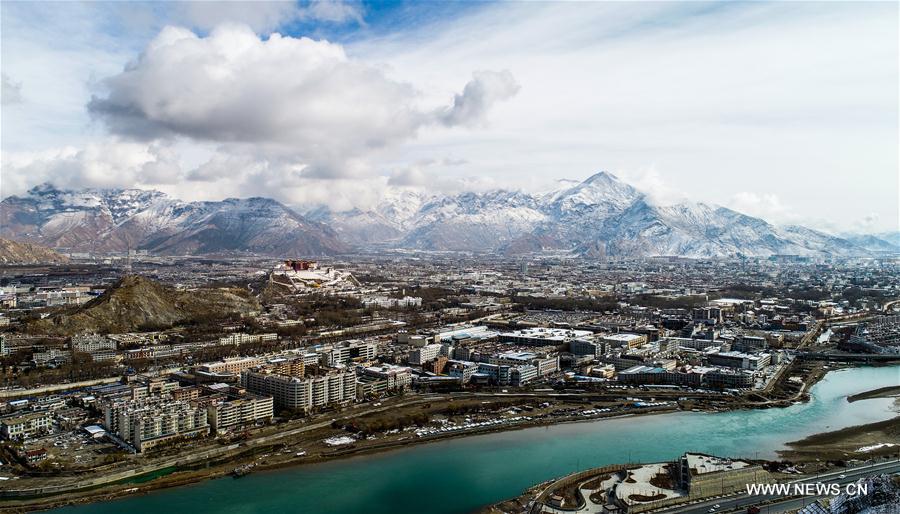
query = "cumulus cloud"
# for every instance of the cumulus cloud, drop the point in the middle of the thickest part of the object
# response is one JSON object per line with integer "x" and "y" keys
{"x": 11, "y": 92}
{"x": 485, "y": 89}
{"x": 293, "y": 99}
{"x": 109, "y": 163}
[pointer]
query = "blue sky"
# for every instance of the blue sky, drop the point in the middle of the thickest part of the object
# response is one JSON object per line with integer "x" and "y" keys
{"x": 784, "y": 110}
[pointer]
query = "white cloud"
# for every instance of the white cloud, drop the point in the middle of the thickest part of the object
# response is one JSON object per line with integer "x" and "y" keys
{"x": 410, "y": 176}
{"x": 767, "y": 206}
{"x": 421, "y": 174}
{"x": 792, "y": 99}
{"x": 294, "y": 100}
{"x": 484, "y": 90}
{"x": 109, "y": 163}
{"x": 652, "y": 183}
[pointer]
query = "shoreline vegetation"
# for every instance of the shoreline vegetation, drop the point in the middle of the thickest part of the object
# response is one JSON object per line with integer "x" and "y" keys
{"x": 804, "y": 450}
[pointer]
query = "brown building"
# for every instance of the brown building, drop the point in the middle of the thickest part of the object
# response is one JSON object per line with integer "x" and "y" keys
{"x": 186, "y": 393}
{"x": 436, "y": 366}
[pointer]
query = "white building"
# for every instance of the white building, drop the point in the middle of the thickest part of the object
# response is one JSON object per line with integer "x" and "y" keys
{"x": 624, "y": 340}
{"x": 228, "y": 414}
{"x": 542, "y": 336}
{"x": 241, "y": 338}
{"x": 427, "y": 353}
{"x": 462, "y": 370}
{"x": 397, "y": 377}
{"x": 148, "y": 423}
{"x": 92, "y": 343}
{"x": 344, "y": 352}
{"x": 26, "y": 425}
{"x": 302, "y": 394}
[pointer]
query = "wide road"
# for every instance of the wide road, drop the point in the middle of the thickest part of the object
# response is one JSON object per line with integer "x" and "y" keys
{"x": 742, "y": 501}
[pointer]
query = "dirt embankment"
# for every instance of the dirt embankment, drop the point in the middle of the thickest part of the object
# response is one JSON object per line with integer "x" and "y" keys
{"x": 856, "y": 442}
{"x": 881, "y": 392}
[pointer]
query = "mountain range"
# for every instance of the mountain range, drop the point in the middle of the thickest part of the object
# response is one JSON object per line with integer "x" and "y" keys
{"x": 599, "y": 216}
{"x": 114, "y": 220}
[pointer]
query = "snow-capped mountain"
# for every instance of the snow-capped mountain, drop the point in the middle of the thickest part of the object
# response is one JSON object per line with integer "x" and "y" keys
{"x": 389, "y": 220}
{"x": 598, "y": 216}
{"x": 474, "y": 221}
{"x": 103, "y": 220}
{"x": 880, "y": 243}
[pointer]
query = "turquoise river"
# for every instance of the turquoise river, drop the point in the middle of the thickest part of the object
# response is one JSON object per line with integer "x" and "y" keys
{"x": 457, "y": 476}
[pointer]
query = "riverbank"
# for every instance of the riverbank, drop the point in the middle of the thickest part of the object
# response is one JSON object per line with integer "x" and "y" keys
{"x": 857, "y": 442}
{"x": 278, "y": 459}
{"x": 881, "y": 392}
{"x": 268, "y": 457}
{"x": 819, "y": 453}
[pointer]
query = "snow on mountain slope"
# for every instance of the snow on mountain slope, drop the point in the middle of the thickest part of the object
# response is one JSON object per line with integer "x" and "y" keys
{"x": 601, "y": 215}
{"x": 104, "y": 220}
{"x": 598, "y": 196}
{"x": 474, "y": 221}
{"x": 388, "y": 220}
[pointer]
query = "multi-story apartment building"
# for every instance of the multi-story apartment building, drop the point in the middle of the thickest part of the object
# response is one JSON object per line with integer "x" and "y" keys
{"x": 427, "y": 353}
{"x": 302, "y": 393}
{"x": 587, "y": 347}
{"x": 228, "y": 414}
{"x": 26, "y": 425}
{"x": 397, "y": 377}
{"x": 92, "y": 343}
{"x": 148, "y": 423}
{"x": 233, "y": 365}
{"x": 241, "y": 338}
{"x": 295, "y": 367}
{"x": 740, "y": 360}
{"x": 346, "y": 351}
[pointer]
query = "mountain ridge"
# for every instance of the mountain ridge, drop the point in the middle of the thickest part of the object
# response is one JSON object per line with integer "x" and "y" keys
{"x": 116, "y": 220}
{"x": 601, "y": 215}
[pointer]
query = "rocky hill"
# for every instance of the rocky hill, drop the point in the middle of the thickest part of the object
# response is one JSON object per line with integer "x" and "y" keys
{"x": 136, "y": 303}
{"x": 12, "y": 252}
